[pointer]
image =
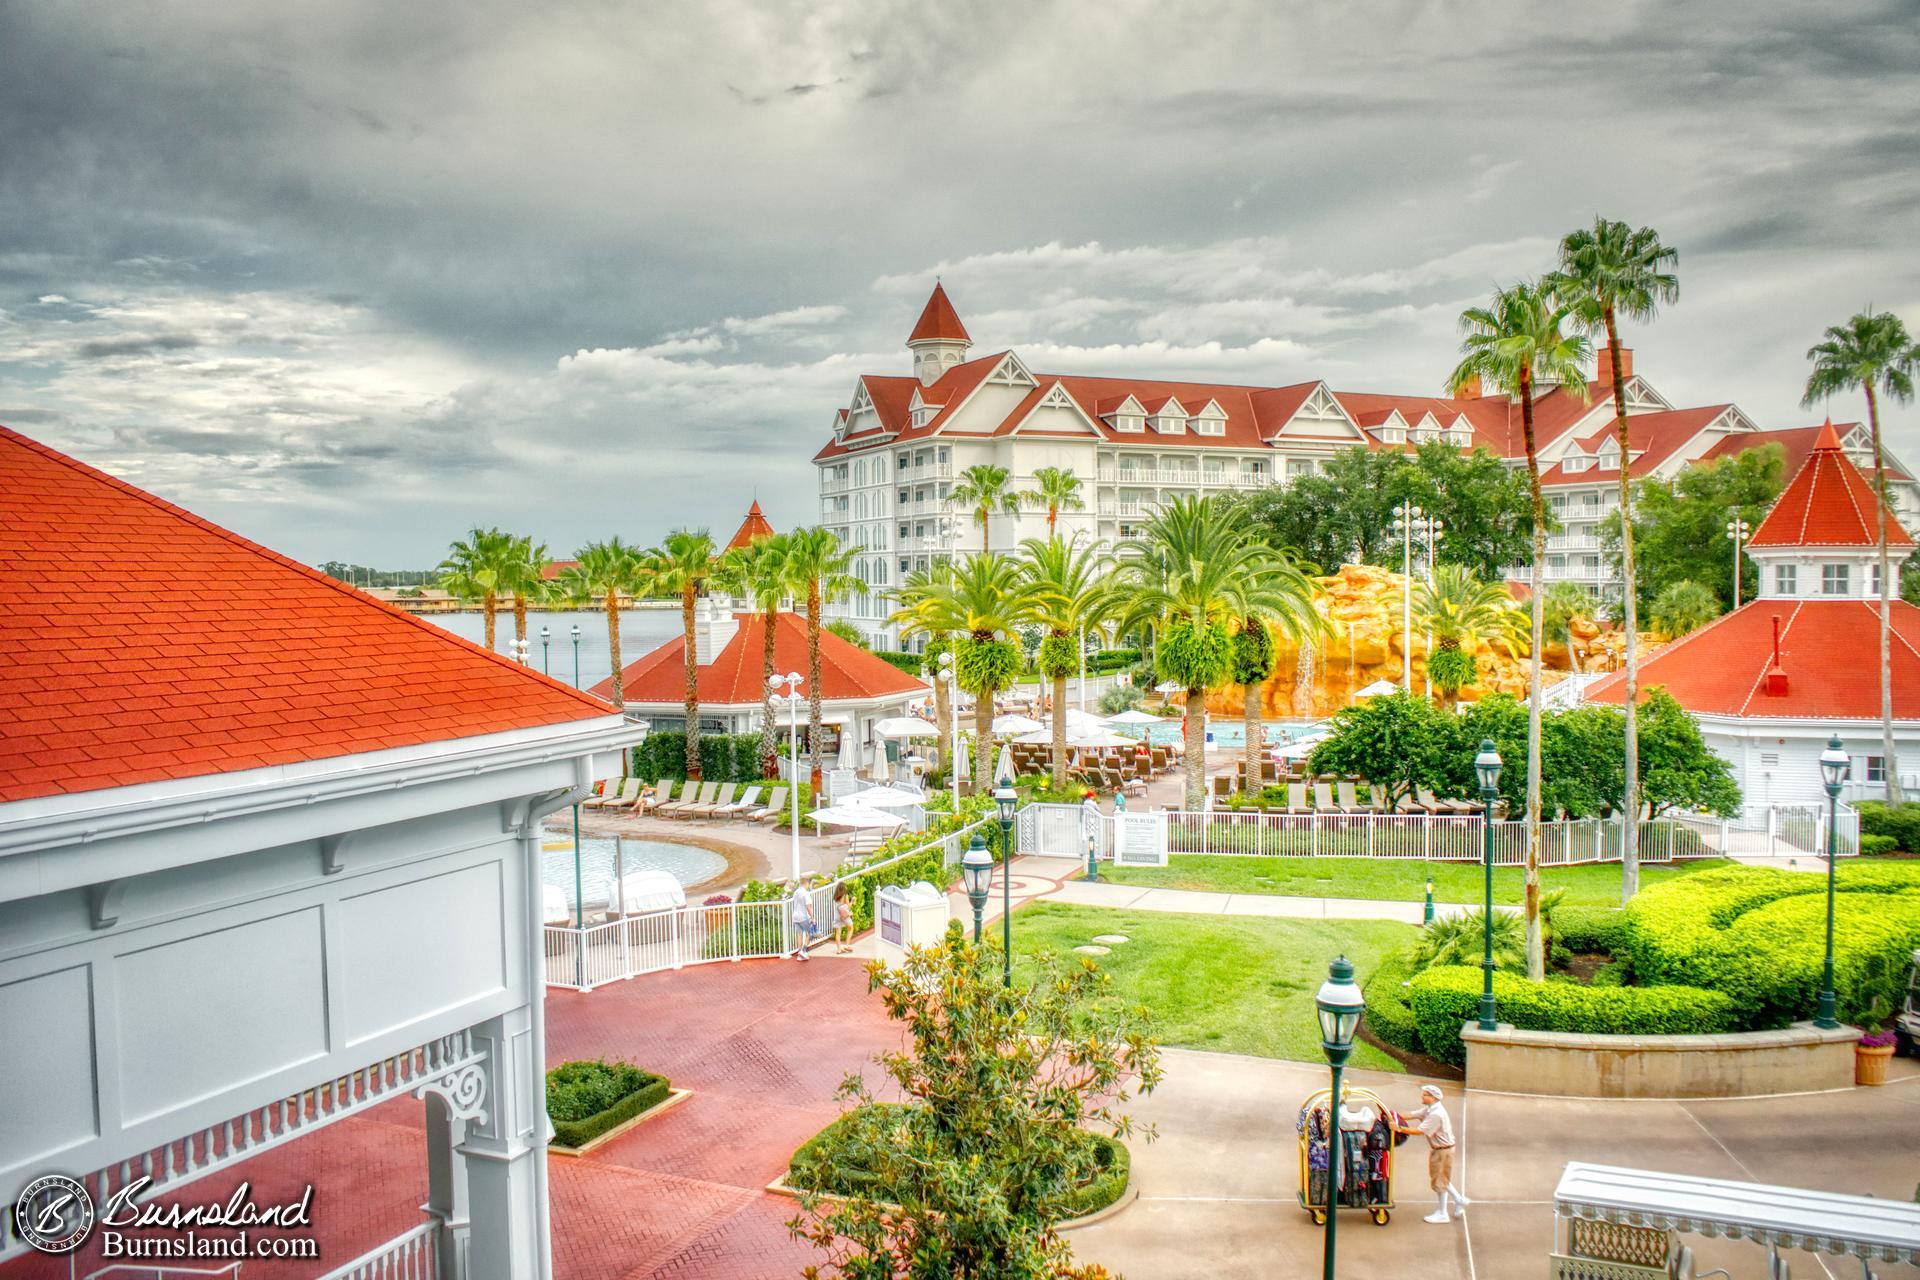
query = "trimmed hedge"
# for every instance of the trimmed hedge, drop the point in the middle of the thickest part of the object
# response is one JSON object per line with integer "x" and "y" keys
{"x": 1389, "y": 1016}
{"x": 1902, "y": 822}
{"x": 1443, "y": 998}
{"x": 724, "y": 757}
{"x": 1871, "y": 845}
{"x": 911, "y": 663}
{"x": 587, "y": 1098}
{"x": 831, "y": 1161}
{"x": 1589, "y": 930}
{"x": 1105, "y": 661}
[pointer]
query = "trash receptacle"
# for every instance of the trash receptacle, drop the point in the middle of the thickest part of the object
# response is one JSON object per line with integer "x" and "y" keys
{"x": 913, "y": 915}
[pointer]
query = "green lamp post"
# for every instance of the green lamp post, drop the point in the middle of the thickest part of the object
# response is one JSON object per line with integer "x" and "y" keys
{"x": 976, "y": 872}
{"x": 1005, "y": 798}
{"x": 1835, "y": 764}
{"x": 1486, "y": 768}
{"x": 1339, "y": 1004}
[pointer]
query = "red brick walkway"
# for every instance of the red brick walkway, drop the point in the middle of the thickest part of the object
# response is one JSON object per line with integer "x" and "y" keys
{"x": 763, "y": 1045}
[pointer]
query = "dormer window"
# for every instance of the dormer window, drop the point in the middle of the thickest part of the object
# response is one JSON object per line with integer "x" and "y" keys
{"x": 923, "y": 415}
{"x": 1834, "y": 579}
{"x": 1393, "y": 435}
{"x": 1609, "y": 459}
{"x": 1579, "y": 462}
{"x": 1169, "y": 424}
{"x": 1129, "y": 422}
{"x": 1460, "y": 436}
{"x": 1210, "y": 426}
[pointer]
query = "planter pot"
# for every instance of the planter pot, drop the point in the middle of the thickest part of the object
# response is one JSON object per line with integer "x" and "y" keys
{"x": 1870, "y": 1063}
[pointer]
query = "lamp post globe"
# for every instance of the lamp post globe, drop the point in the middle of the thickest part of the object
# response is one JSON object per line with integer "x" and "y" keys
{"x": 576, "y": 655}
{"x": 1339, "y": 1004}
{"x": 546, "y": 650}
{"x": 976, "y": 873}
{"x": 1835, "y": 765}
{"x": 1004, "y": 799}
{"x": 1486, "y": 769}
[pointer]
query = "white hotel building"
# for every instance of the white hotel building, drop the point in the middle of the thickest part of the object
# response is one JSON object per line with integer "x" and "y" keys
{"x": 1136, "y": 443}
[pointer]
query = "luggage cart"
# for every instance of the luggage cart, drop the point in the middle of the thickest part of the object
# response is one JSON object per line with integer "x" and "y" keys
{"x": 1316, "y": 1115}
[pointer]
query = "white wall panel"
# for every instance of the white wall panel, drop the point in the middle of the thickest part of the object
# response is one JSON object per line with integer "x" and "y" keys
{"x": 422, "y": 947}
{"x": 46, "y": 1065}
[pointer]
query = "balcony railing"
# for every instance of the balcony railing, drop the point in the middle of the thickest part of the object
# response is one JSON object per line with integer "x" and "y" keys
{"x": 1572, "y": 542}
{"x": 834, "y": 484}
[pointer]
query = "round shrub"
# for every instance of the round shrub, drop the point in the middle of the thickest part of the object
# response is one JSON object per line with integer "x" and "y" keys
{"x": 587, "y": 1098}
{"x": 1443, "y": 998}
{"x": 1389, "y": 1016}
{"x": 1588, "y": 930}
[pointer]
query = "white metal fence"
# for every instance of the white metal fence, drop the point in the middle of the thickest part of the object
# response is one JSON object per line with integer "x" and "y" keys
{"x": 581, "y": 959}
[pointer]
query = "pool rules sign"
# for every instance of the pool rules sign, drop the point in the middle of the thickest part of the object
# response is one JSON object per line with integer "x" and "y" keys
{"x": 1139, "y": 839}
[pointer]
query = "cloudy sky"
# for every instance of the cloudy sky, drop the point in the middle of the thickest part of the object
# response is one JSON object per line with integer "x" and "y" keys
{"x": 352, "y": 276}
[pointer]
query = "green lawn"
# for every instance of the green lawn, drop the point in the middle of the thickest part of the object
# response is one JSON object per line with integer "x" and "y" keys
{"x": 1389, "y": 879}
{"x": 1226, "y": 983}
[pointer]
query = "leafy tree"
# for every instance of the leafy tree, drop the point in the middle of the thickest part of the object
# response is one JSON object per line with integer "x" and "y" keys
{"x": 1679, "y": 770}
{"x": 1874, "y": 353}
{"x": 480, "y": 567}
{"x": 848, "y": 632}
{"x": 821, "y": 570}
{"x": 1507, "y": 346}
{"x": 1072, "y": 590}
{"x": 1482, "y": 502}
{"x": 684, "y": 565}
{"x": 983, "y": 489}
{"x": 1680, "y": 525}
{"x": 1463, "y": 613}
{"x": 1682, "y": 607}
{"x": 983, "y": 601}
{"x": 1057, "y": 489}
{"x": 521, "y": 580}
{"x": 1397, "y": 742}
{"x": 974, "y": 1175}
{"x": 608, "y": 571}
{"x": 1606, "y": 272}
{"x": 1584, "y": 764}
{"x": 918, "y": 613}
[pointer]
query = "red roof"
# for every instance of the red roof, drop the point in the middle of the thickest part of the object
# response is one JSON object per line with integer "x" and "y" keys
{"x": 1826, "y": 651}
{"x": 1652, "y": 438}
{"x": 939, "y": 322}
{"x": 753, "y": 528}
{"x": 144, "y": 643}
{"x": 1796, "y": 442}
{"x": 552, "y": 569}
{"x": 1828, "y": 503}
{"x": 734, "y": 677}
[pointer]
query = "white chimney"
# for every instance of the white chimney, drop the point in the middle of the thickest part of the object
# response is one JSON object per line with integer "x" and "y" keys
{"x": 713, "y": 626}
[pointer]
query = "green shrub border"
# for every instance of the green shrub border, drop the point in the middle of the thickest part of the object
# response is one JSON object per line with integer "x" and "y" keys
{"x": 1589, "y": 930}
{"x": 1445, "y": 997}
{"x": 578, "y": 1133}
{"x": 1389, "y": 1015}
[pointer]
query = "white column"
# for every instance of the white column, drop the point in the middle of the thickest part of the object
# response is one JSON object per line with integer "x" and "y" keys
{"x": 447, "y": 1186}
{"x": 505, "y": 1155}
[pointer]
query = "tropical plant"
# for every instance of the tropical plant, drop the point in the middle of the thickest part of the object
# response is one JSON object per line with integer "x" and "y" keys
{"x": 822, "y": 570}
{"x": 1285, "y": 603}
{"x": 917, "y": 613}
{"x": 1564, "y": 602}
{"x": 848, "y": 632}
{"x": 1679, "y": 525}
{"x": 1191, "y": 574}
{"x": 1873, "y": 353}
{"x": 1464, "y": 613}
{"x": 480, "y": 567}
{"x": 1512, "y": 345}
{"x": 684, "y": 565}
{"x": 609, "y": 570}
{"x": 984, "y": 489}
{"x": 760, "y": 571}
{"x": 1072, "y": 593}
{"x": 1684, "y": 606}
{"x": 1056, "y": 489}
{"x": 1462, "y": 939}
{"x": 983, "y": 601}
{"x": 522, "y": 579}
{"x": 1606, "y": 272}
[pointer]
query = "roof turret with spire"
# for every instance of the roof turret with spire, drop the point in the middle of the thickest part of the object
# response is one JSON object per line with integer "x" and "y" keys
{"x": 752, "y": 529}
{"x": 938, "y": 341}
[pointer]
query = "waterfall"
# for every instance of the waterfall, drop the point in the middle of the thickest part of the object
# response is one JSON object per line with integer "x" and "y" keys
{"x": 1303, "y": 672}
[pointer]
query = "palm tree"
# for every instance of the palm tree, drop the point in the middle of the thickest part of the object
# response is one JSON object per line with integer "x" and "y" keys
{"x": 1564, "y": 602}
{"x": 984, "y": 600}
{"x": 684, "y": 565}
{"x": 817, "y": 565}
{"x": 983, "y": 489}
{"x": 1681, "y": 607}
{"x": 479, "y": 568}
{"x": 1874, "y": 353}
{"x": 1189, "y": 574}
{"x": 523, "y": 581}
{"x": 760, "y": 570}
{"x": 1462, "y": 612}
{"x": 1511, "y": 345}
{"x": 1286, "y": 603}
{"x": 1610, "y": 271}
{"x": 1072, "y": 591}
{"x": 918, "y": 614}
{"x": 1056, "y": 489}
{"x": 608, "y": 570}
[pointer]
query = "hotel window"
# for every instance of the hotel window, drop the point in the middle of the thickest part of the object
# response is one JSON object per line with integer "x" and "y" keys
{"x": 1877, "y": 769}
{"x": 903, "y": 531}
{"x": 1873, "y": 579}
{"x": 1786, "y": 579}
{"x": 904, "y": 461}
{"x": 1298, "y": 467}
{"x": 1210, "y": 426}
{"x": 1833, "y": 579}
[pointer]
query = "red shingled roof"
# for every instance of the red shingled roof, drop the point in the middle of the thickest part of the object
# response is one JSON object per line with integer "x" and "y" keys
{"x": 1796, "y": 442}
{"x": 733, "y": 678}
{"x": 754, "y": 527}
{"x": 1828, "y": 503}
{"x": 1826, "y": 650}
{"x": 144, "y": 643}
{"x": 1651, "y": 437}
{"x": 939, "y": 322}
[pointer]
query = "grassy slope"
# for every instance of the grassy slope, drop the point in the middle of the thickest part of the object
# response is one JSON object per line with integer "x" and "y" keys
{"x": 1226, "y": 983}
{"x": 1387, "y": 879}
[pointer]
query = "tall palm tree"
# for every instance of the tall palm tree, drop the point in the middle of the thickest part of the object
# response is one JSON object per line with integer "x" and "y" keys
{"x": 1285, "y": 604}
{"x": 1462, "y": 613}
{"x": 1189, "y": 574}
{"x": 760, "y": 570}
{"x": 983, "y": 489}
{"x": 1512, "y": 345}
{"x": 984, "y": 601}
{"x": 684, "y": 565}
{"x": 1874, "y": 353}
{"x": 1609, "y": 271}
{"x": 607, "y": 571}
{"x": 821, "y": 569}
{"x": 1072, "y": 591}
{"x": 524, "y": 583}
{"x": 1056, "y": 489}
{"x": 479, "y": 567}
{"x": 918, "y": 614}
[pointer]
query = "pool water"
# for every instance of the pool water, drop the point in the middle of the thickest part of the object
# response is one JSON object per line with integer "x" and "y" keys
{"x": 599, "y": 855}
{"x": 1228, "y": 733}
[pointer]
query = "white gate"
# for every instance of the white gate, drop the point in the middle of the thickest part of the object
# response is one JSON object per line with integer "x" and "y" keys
{"x": 1056, "y": 831}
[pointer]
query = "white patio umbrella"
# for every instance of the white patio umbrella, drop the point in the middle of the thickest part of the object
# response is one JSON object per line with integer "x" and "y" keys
{"x": 1379, "y": 688}
{"x": 1135, "y": 717}
{"x": 854, "y": 815}
{"x": 1078, "y": 720}
{"x": 1011, "y": 724}
{"x": 1003, "y": 767}
{"x": 905, "y": 727}
{"x": 1090, "y": 738}
{"x": 885, "y": 798}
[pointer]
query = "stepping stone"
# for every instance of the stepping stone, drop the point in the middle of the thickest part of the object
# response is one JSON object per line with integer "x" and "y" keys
{"x": 1111, "y": 939}
{"x": 1093, "y": 951}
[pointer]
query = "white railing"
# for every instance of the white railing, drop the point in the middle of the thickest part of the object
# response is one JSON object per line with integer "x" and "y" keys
{"x": 581, "y": 959}
{"x": 412, "y": 1256}
{"x": 160, "y": 1271}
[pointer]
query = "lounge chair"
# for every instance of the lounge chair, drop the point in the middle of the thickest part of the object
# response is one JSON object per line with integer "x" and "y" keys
{"x": 662, "y": 792}
{"x": 1434, "y": 805}
{"x": 688, "y": 795}
{"x": 1297, "y": 798}
{"x": 749, "y": 800}
{"x": 708, "y": 808}
{"x": 629, "y": 792}
{"x": 775, "y": 809}
{"x": 1350, "y": 800}
{"x": 865, "y": 842}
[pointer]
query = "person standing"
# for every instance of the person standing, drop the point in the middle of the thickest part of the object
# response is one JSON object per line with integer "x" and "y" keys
{"x": 1437, "y": 1127}
{"x": 842, "y": 919}
{"x": 805, "y": 929}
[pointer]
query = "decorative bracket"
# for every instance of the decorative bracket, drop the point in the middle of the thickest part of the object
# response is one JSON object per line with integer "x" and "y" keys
{"x": 103, "y": 902}
{"x": 463, "y": 1089}
{"x": 333, "y": 852}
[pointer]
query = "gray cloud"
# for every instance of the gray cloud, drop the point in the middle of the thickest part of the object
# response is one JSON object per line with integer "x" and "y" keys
{"x": 135, "y": 345}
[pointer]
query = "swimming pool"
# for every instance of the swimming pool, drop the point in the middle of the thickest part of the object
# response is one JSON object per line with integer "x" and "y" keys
{"x": 1229, "y": 733}
{"x": 689, "y": 864}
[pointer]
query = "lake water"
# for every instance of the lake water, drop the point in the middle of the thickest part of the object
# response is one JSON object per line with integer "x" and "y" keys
{"x": 641, "y": 632}
{"x": 598, "y": 855}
